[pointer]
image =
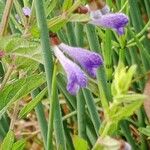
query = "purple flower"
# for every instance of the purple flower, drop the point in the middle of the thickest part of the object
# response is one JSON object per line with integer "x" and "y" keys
{"x": 89, "y": 61}
{"x": 26, "y": 11}
{"x": 115, "y": 21}
{"x": 76, "y": 77}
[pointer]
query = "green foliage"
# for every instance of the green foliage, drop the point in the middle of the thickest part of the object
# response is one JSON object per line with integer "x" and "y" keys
{"x": 19, "y": 145}
{"x": 79, "y": 18}
{"x": 23, "y": 53}
{"x": 10, "y": 144}
{"x": 50, "y": 6}
{"x": 57, "y": 23}
{"x": 18, "y": 89}
{"x": 67, "y": 4}
{"x": 124, "y": 104}
{"x": 108, "y": 106}
{"x": 8, "y": 141}
{"x": 145, "y": 131}
{"x": 32, "y": 104}
{"x": 122, "y": 79}
{"x": 80, "y": 143}
{"x": 1, "y": 8}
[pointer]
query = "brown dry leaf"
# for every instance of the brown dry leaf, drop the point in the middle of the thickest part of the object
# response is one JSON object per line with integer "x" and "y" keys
{"x": 147, "y": 101}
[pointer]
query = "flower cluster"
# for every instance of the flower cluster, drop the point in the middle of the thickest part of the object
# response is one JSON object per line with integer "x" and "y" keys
{"x": 80, "y": 58}
{"x": 89, "y": 61}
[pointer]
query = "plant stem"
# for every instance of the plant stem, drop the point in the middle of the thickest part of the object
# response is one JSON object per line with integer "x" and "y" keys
{"x": 7, "y": 76}
{"x": 92, "y": 109}
{"x": 5, "y": 17}
{"x": 81, "y": 115}
{"x": 41, "y": 117}
{"x": 46, "y": 49}
{"x": 53, "y": 100}
{"x": 125, "y": 129}
{"x": 14, "y": 115}
{"x": 58, "y": 127}
{"x": 101, "y": 77}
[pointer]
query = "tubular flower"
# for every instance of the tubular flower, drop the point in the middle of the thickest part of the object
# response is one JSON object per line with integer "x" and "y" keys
{"x": 26, "y": 11}
{"x": 76, "y": 77}
{"x": 89, "y": 61}
{"x": 116, "y": 21}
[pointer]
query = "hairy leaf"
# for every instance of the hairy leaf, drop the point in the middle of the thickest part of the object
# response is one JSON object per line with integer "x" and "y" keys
{"x": 18, "y": 89}
{"x": 32, "y": 104}
{"x": 8, "y": 141}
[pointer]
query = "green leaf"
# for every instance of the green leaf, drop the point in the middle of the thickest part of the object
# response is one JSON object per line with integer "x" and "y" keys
{"x": 27, "y": 53}
{"x": 2, "y": 5}
{"x": 34, "y": 30}
{"x": 18, "y": 89}
{"x": 8, "y": 141}
{"x": 32, "y": 104}
{"x": 52, "y": 4}
{"x": 84, "y": 2}
{"x": 67, "y": 4}
{"x": 128, "y": 98}
{"x": 125, "y": 111}
{"x": 79, "y": 18}
{"x": 145, "y": 131}
{"x": 57, "y": 23}
{"x": 111, "y": 126}
{"x": 19, "y": 145}
{"x": 80, "y": 143}
{"x": 122, "y": 79}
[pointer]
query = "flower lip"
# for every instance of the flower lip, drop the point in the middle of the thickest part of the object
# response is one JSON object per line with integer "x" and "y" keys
{"x": 115, "y": 21}
{"x": 88, "y": 60}
{"x": 26, "y": 11}
{"x": 75, "y": 76}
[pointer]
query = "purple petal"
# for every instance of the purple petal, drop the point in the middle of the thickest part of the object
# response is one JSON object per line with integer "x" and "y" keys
{"x": 76, "y": 77}
{"x": 105, "y": 10}
{"x": 95, "y": 14}
{"x": 120, "y": 31}
{"x": 115, "y": 21}
{"x": 26, "y": 11}
{"x": 88, "y": 60}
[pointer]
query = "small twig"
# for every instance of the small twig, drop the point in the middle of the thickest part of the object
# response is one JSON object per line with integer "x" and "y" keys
{"x": 31, "y": 134}
{"x": 14, "y": 115}
{"x": 7, "y": 76}
{"x": 141, "y": 77}
{"x": 16, "y": 109}
{"x": 5, "y": 17}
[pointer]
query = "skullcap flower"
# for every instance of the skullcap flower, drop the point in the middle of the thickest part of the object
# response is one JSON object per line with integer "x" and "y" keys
{"x": 26, "y": 11}
{"x": 88, "y": 60}
{"x": 116, "y": 21}
{"x": 75, "y": 76}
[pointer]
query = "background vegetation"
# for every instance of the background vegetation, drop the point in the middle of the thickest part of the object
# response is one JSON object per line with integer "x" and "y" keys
{"x": 36, "y": 110}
